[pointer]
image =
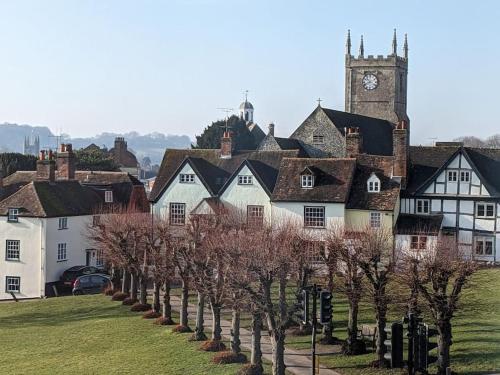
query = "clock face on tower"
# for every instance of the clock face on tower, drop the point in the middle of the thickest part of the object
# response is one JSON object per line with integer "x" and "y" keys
{"x": 370, "y": 81}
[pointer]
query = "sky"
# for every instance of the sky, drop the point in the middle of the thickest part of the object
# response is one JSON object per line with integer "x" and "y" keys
{"x": 86, "y": 67}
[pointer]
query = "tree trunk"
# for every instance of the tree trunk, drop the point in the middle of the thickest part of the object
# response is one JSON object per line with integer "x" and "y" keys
{"x": 184, "y": 304}
{"x": 352, "y": 326}
{"x": 216, "y": 327}
{"x": 156, "y": 297}
{"x": 167, "y": 308}
{"x": 143, "y": 283}
{"x": 278, "y": 351}
{"x": 235, "y": 332}
{"x": 444, "y": 343}
{"x": 199, "y": 333}
{"x": 126, "y": 281}
{"x": 256, "y": 351}
{"x": 133, "y": 285}
{"x": 381, "y": 334}
{"x": 328, "y": 328}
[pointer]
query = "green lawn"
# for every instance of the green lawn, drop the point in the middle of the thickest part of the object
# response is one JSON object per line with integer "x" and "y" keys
{"x": 92, "y": 335}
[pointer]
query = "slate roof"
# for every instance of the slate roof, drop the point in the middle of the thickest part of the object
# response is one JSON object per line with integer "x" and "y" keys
{"x": 419, "y": 224}
{"x": 45, "y": 199}
{"x": 427, "y": 161}
{"x": 333, "y": 180}
{"x": 377, "y": 133}
{"x": 360, "y": 198}
{"x": 215, "y": 171}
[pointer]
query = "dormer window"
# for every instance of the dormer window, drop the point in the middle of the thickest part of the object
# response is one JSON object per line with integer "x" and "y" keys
{"x": 318, "y": 139}
{"x": 13, "y": 215}
{"x": 373, "y": 184}
{"x": 108, "y": 196}
{"x": 307, "y": 181}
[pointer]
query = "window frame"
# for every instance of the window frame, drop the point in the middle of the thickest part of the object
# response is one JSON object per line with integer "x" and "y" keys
{"x": 485, "y": 210}
{"x": 318, "y": 139}
{"x": 171, "y": 213}
{"x": 378, "y": 219}
{"x": 255, "y": 220}
{"x": 484, "y": 240}
{"x": 63, "y": 223}
{"x": 309, "y": 179}
{"x": 108, "y": 196}
{"x": 11, "y": 216}
{"x": 187, "y": 178}
{"x": 12, "y": 259}
{"x": 423, "y": 201}
{"x": 421, "y": 242}
{"x": 463, "y": 174}
{"x": 452, "y": 172}
{"x": 309, "y": 220}
{"x": 7, "y": 290}
{"x": 96, "y": 220}
{"x": 244, "y": 179}
{"x": 62, "y": 249}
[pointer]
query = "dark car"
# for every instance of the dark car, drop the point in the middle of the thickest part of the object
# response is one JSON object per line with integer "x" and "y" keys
{"x": 71, "y": 274}
{"x": 91, "y": 284}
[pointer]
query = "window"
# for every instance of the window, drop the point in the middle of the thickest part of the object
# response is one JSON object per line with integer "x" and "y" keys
{"x": 96, "y": 220}
{"x": 12, "y": 284}
{"x": 12, "y": 250}
{"x": 63, "y": 223}
{"x": 464, "y": 176}
{"x": 61, "y": 252}
{"x": 452, "y": 176}
{"x": 422, "y": 206}
{"x": 484, "y": 245}
{"x": 418, "y": 243}
{"x": 13, "y": 215}
{"x": 108, "y": 196}
{"x": 314, "y": 217}
{"x": 177, "y": 213}
{"x": 255, "y": 215}
{"x": 375, "y": 219}
{"x": 99, "y": 259}
{"x": 186, "y": 178}
{"x": 373, "y": 184}
{"x": 307, "y": 181}
{"x": 318, "y": 139}
{"x": 245, "y": 180}
{"x": 485, "y": 210}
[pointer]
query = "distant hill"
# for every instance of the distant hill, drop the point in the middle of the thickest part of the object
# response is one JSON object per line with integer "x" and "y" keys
{"x": 152, "y": 145}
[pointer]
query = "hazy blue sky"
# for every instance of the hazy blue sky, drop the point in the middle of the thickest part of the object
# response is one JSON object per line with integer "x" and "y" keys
{"x": 94, "y": 66}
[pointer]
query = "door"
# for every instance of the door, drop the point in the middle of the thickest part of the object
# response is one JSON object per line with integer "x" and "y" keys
{"x": 91, "y": 258}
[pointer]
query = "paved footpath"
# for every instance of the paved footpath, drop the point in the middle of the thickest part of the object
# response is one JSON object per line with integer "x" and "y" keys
{"x": 295, "y": 361}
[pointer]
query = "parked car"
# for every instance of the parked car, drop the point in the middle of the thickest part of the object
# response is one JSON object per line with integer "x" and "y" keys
{"x": 91, "y": 284}
{"x": 69, "y": 276}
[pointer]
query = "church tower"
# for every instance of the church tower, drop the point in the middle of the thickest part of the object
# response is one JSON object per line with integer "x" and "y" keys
{"x": 246, "y": 110}
{"x": 376, "y": 86}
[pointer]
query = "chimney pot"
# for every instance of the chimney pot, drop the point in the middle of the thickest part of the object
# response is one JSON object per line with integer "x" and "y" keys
{"x": 226, "y": 146}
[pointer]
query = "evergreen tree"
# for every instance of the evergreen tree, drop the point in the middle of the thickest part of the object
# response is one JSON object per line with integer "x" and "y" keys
{"x": 94, "y": 159}
{"x": 11, "y": 162}
{"x": 212, "y": 134}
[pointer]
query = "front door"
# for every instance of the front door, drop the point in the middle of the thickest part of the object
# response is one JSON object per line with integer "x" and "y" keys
{"x": 91, "y": 258}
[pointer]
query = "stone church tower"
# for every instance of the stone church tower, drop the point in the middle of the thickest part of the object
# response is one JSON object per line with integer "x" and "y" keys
{"x": 376, "y": 86}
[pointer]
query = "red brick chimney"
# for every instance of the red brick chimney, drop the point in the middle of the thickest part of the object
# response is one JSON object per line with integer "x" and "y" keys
{"x": 400, "y": 147}
{"x": 226, "y": 146}
{"x": 353, "y": 142}
{"x": 66, "y": 163}
{"x": 46, "y": 167}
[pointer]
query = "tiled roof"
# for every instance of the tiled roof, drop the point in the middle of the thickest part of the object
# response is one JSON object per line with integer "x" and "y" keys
{"x": 212, "y": 169}
{"x": 419, "y": 224}
{"x": 333, "y": 180}
{"x": 360, "y": 198}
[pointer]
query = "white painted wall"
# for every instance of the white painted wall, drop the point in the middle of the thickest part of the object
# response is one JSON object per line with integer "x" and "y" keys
{"x": 403, "y": 243}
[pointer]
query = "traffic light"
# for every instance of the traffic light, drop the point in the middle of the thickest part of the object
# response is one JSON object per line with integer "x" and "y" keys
{"x": 423, "y": 346}
{"x": 394, "y": 345}
{"x": 325, "y": 307}
{"x": 305, "y": 306}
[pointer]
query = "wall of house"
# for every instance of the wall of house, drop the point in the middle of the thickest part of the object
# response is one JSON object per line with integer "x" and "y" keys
{"x": 240, "y": 196}
{"x": 29, "y": 232}
{"x": 403, "y": 242}
{"x": 189, "y": 193}
{"x": 359, "y": 219}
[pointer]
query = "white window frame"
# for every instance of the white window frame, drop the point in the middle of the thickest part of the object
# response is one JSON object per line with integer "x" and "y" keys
{"x": 453, "y": 174}
{"x": 187, "y": 178}
{"x": 245, "y": 180}
{"x": 307, "y": 181}
{"x": 13, "y": 215}
{"x": 177, "y": 213}
{"x": 375, "y": 219}
{"x": 422, "y": 210}
{"x": 255, "y": 215}
{"x": 482, "y": 241}
{"x": 464, "y": 176}
{"x": 318, "y": 139}
{"x": 12, "y": 281}
{"x": 421, "y": 242}
{"x": 63, "y": 223}
{"x": 314, "y": 217}
{"x": 485, "y": 210}
{"x": 13, "y": 248}
{"x": 62, "y": 252}
{"x": 108, "y": 196}
{"x": 99, "y": 261}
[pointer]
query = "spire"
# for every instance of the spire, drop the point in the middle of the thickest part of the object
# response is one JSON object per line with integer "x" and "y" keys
{"x": 405, "y": 47}
{"x": 394, "y": 44}
{"x": 361, "y": 48}
{"x": 348, "y": 43}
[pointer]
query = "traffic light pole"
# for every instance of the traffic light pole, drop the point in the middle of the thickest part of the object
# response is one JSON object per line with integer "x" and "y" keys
{"x": 314, "y": 322}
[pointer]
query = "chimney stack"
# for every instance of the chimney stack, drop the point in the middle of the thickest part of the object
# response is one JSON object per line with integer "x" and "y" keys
{"x": 46, "y": 166}
{"x": 353, "y": 142}
{"x": 66, "y": 163}
{"x": 226, "y": 146}
{"x": 400, "y": 146}
{"x": 271, "y": 129}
